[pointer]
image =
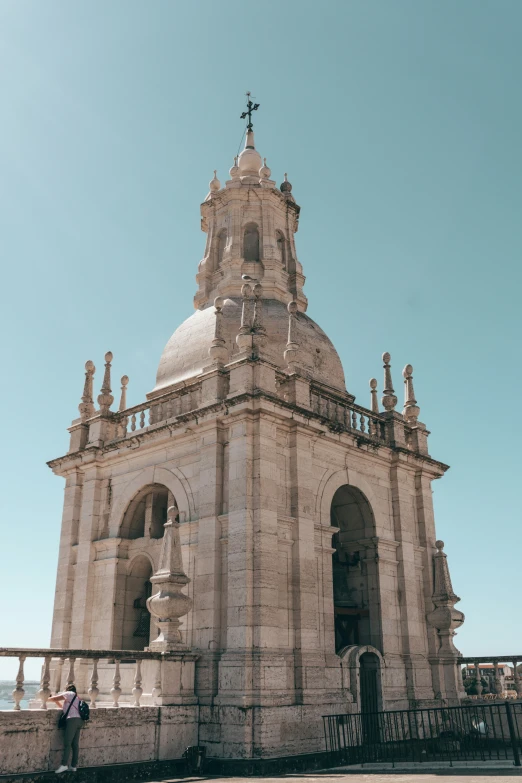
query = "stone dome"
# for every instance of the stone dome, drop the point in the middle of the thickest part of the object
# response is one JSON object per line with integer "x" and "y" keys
{"x": 186, "y": 353}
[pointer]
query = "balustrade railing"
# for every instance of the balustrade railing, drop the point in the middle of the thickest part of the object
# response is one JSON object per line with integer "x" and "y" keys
{"x": 348, "y": 415}
{"x": 62, "y": 666}
{"x": 497, "y": 680}
{"x": 168, "y": 406}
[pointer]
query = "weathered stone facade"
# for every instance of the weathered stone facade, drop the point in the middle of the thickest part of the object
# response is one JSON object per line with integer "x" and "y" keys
{"x": 306, "y": 521}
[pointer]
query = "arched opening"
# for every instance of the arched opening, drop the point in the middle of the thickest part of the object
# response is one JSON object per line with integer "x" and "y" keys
{"x": 251, "y": 243}
{"x": 136, "y": 631}
{"x": 281, "y": 247}
{"x": 147, "y": 513}
{"x": 352, "y": 514}
{"x": 222, "y": 243}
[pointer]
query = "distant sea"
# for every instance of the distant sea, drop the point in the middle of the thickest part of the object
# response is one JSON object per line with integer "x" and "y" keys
{"x": 6, "y": 689}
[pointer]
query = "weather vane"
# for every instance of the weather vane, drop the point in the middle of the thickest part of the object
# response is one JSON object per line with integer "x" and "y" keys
{"x": 248, "y": 113}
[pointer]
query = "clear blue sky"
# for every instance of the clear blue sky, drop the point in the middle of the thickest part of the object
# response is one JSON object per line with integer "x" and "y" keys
{"x": 399, "y": 124}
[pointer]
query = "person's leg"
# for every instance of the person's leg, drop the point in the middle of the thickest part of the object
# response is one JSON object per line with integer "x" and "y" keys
{"x": 68, "y": 735}
{"x": 76, "y": 742}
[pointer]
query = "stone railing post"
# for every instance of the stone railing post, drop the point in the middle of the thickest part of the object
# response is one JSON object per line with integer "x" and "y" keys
{"x": 19, "y": 693}
{"x": 58, "y": 676}
{"x": 116, "y": 690}
{"x": 45, "y": 691}
{"x": 93, "y": 688}
{"x": 497, "y": 681}
{"x": 478, "y": 681}
{"x": 70, "y": 673}
{"x": 156, "y": 691}
{"x": 137, "y": 691}
{"x": 517, "y": 681}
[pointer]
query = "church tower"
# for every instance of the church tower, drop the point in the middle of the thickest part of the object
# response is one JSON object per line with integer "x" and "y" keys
{"x": 315, "y": 580}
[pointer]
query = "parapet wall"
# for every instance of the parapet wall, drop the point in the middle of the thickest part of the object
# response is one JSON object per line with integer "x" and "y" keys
{"x": 30, "y": 740}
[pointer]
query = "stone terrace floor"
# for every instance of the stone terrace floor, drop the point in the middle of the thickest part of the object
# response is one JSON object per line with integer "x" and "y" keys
{"x": 451, "y": 775}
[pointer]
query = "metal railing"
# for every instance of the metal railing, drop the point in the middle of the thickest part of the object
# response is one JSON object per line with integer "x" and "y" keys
{"x": 484, "y": 732}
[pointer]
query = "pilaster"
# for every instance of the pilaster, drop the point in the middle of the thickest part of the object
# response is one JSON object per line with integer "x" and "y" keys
{"x": 63, "y": 600}
{"x": 412, "y": 624}
{"x": 84, "y": 569}
{"x": 208, "y": 576}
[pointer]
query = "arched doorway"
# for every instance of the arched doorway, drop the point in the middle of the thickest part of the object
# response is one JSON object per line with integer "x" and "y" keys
{"x": 352, "y": 514}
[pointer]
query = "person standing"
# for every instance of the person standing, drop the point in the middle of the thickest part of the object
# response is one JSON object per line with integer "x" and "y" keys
{"x": 70, "y": 704}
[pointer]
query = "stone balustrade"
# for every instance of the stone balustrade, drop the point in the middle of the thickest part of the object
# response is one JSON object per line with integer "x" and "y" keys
{"x": 347, "y": 415}
{"x": 168, "y": 406}
{"x": 501, "y": 692}
{"x": 60, "y": 669}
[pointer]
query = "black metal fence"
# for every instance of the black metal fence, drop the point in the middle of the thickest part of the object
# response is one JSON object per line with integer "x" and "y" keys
{"x": 475, "y": 732}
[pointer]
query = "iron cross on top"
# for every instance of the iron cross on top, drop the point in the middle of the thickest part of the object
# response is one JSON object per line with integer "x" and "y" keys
{"x": 248, "y": 113}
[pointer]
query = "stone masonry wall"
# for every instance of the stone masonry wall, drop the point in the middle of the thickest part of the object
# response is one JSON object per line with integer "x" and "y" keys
{"x": 30, "y": 740}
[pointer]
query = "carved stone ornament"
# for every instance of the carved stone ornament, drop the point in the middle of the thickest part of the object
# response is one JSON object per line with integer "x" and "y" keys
{"x": 445, "y": 618}
{"x": 86, "y": 407}
{"x": 169, "y": 603}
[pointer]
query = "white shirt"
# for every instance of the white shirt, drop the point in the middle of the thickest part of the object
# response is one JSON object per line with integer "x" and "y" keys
{"x": 69, "y": 696}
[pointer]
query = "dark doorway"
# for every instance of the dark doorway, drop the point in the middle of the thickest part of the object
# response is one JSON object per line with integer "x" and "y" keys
{"x": 369, "y": 670}
{"x": 370, "y": 701}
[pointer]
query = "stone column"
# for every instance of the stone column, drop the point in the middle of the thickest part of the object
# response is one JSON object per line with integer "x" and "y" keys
{"x": 412, "y": 624}
{"x": 63, "y": 602}
{"x": 251, "y": 670}
{"x": 235, "y": 668}
{"x": 110, "y": 575}
{"x": 84, "y": 572}
{"x": 426, "y": 523}
{"x": 309, "y": 657}
{"x": 208, "y": 577}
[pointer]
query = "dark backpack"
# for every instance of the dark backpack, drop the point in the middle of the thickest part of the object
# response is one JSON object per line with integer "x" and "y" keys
{"x": 83, "y": 709}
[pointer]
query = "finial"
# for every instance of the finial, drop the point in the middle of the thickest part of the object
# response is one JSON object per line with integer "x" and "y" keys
{"x": 285, "y": 186}
{"x": 411, "y": 410}
{"x": 291, "y": 352}
{"x": 389, "y": 400}
{"x": 264, "y": 171}
{"x": 105, "y": 399}
{"x": 86, "y": 407}
{"x": 248, "y": 113}
{"x": 234, "y": 171}
{"x": 445, "y": 618}
{"x": 373, "y": 393}
{"x": 169, "y": 603}
{"x": 214, "y": 184}
{"x": 123, "y": 399}
{"x": 218, "y": 350}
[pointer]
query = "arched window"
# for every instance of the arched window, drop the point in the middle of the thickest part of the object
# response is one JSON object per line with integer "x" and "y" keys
{"x": 251, "y": 243}
{"x": 222, "y": 243}
{"x": 352, "y": 514}
{"x": 147, "y": 513}
{"x": 281, "y": 247}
